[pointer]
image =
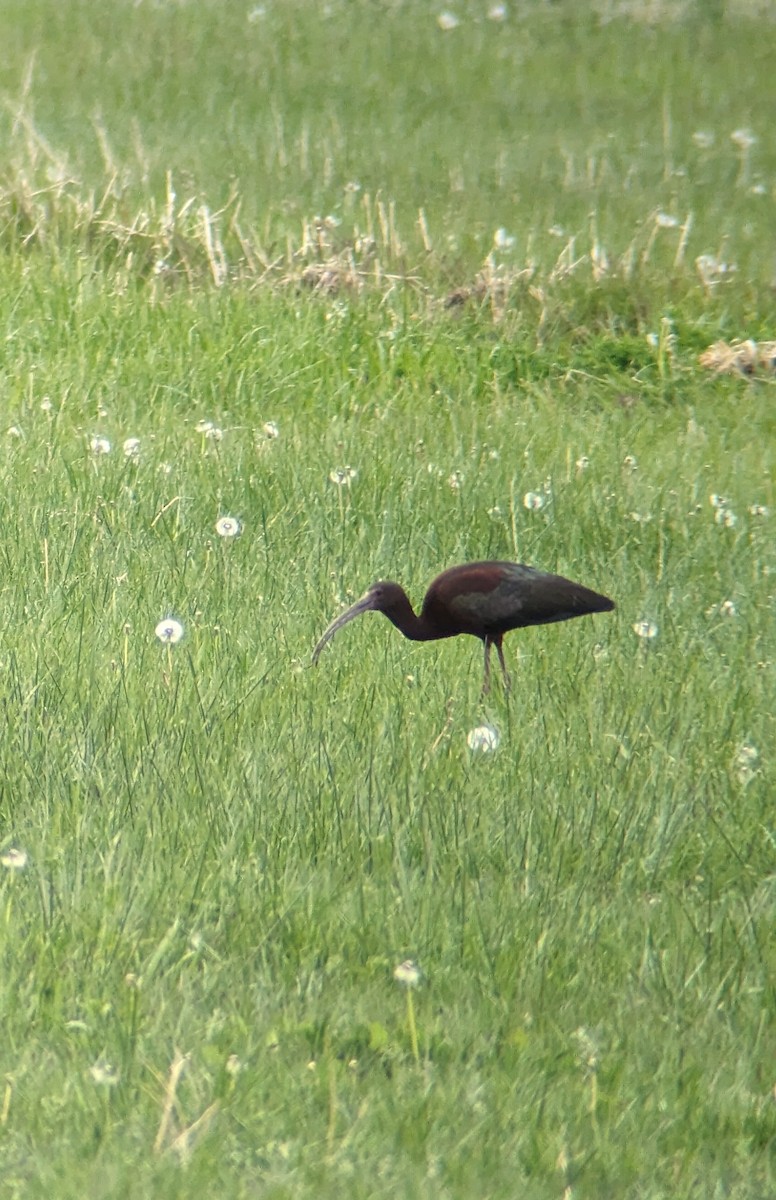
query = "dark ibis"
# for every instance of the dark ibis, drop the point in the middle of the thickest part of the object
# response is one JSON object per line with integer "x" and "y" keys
{"x": 485, "y": 599}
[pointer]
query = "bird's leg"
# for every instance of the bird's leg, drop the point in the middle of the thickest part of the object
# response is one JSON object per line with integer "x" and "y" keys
{"x": 507, "y": 680}
{"x": 486, "y": 680}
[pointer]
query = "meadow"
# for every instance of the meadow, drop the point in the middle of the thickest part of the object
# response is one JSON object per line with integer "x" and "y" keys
{"x": 297, "y": 296}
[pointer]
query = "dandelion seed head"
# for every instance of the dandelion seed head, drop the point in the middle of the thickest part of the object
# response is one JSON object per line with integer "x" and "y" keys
{"x": 726, "y": 517}
{"x": 203, "y": 426}
{"x": 14, "y": 859}
{"x": 131, "y": 447}
{"x": 270, "y": 430}
{"x": 228, "y": 527}
{"x": 727, "y": 608}
{"x": 169, "y": 630}
{"x": 745, "y": 764}
{"x": 214, "y": 434}
{"x": 630, "y": 464}
{"x": 14, "y": 432}
{"x": 45, "y": 405}
{"x": 758, "y": 510}
{"x": 447, "y": 21}
{"x": 455, "y": 481}
{"x": 588, "y": 1047}
{"x": 582, "y": 463}
{"x": 711, "y": 269}
{"x": 533, "y": 501}
{"x": 645, "y": 629}
{"x": 743, "y": 138}
{"x": 99, "y": 445}
{"x": 104, "y": 1073}
{"x": 483, "y": 739}
{"x": 503, "y": 240}
{"x": 408, "y": 973}
{"x": 747, "y": 755}
{"x": 343, "y": 476}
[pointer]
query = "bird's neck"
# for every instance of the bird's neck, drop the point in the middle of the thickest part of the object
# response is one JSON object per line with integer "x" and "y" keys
{"x": 407, "y": 621}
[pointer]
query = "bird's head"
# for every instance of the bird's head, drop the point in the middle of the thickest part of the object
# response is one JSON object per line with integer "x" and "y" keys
{"x": 383, "y": 596}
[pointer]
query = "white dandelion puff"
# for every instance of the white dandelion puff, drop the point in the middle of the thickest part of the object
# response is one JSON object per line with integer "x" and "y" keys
{"x": 645, "y": 629}
{"x": 447, "y": 21}
{"x": 743, "y": 138}
{"x": 582, "y": 463}
{"x": 228, "y": 527}
{"x": 630, "y": 464}
{"x": 712, "y": 269}
{"x": 747, "y": 755}
{"x": 533, "y": 501}
{"x": 408, "y": 973}
{"x": 131, "y": 448}
{"x": 483, "y": 739}
{"x": 746, "y": 763}
{"x": 503, "y": 240}
{"x": 104, "y": 1073}
{"x": 99, "y": 445}
{"x": 204, "y": 426}
{"x": 270, "y": 430}
{"x": 169, "y": 631}
{"x": 758, "y": 510}
{"x": 455, "y": 481}
{"x": 343, "y": 476}
{"x": 726, "y": 517}
{"x": 14, "y": 859}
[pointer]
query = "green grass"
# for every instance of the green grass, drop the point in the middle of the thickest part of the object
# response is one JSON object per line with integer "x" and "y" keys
{"x": 228, "y": 852}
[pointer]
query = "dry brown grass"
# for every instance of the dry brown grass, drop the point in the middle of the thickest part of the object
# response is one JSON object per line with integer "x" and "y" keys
{"x": 740, "y": 358}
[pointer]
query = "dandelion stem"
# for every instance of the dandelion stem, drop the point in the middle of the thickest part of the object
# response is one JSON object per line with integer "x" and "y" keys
{"x": 412, "y": 1026}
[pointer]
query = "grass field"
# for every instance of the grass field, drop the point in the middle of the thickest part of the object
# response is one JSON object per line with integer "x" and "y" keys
{"x": 391, "y": 286}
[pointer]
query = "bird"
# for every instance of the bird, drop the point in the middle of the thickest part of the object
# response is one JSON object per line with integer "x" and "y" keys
{"x": 485, "y": 599}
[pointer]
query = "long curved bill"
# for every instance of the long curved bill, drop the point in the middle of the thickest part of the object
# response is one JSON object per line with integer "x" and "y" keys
{"x": 365, "y": 604}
